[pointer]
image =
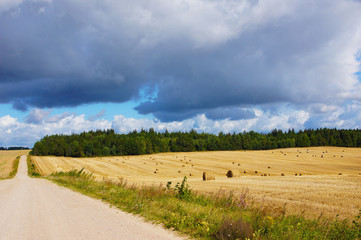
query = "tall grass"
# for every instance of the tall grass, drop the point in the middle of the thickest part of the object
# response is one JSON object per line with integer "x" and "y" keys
{"x": 217, "y": 216}
{"x": 32, "y": 171}
{"x": 15, "y": 167}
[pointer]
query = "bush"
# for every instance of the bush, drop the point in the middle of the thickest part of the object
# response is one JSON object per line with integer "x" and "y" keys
{"x": 183, "y": 190}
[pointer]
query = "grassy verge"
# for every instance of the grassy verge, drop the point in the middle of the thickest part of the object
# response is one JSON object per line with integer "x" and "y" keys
{"x": 32, "y": 171}
{"x": 15, "y": 167}
{"x": 218, "y": 216}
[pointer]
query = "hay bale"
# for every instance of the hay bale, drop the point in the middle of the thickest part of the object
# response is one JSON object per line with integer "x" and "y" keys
{"x": 239, "y": 164}
{"x": 229, "y": 174}
{"x": 208, "y": 176}
{"x": 233, "y": 173}
{"x": 179, "y": 171}
{"x": 282, "y": 174}
{"x": 269, "y": 166}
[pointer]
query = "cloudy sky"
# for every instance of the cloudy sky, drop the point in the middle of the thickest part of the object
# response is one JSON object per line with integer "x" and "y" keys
{"x": 212, "y": 65}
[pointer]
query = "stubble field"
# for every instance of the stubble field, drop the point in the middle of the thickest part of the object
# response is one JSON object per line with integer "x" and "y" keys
{"x": 7, "y": 159}
{"x": 328, "y": 178}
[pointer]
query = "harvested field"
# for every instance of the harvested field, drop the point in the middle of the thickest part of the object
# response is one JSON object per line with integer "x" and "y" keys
{"x": 317, "y": 188}
{"x": 7, "y": 160}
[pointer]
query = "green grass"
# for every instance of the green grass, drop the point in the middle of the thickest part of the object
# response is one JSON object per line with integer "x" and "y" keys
{"x": 218, "y": 216}
{"x": 32, "y": 172}
{"x": 15, "y": 167}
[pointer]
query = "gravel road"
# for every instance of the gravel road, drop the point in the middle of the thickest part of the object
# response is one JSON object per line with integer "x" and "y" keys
{"x": 38, "y": 209}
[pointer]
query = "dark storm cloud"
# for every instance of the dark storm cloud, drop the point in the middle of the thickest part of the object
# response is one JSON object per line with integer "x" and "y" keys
{"x": 53, "y": 57}
{"x": 231, "y": 113}
{"x": 201, "y": 56}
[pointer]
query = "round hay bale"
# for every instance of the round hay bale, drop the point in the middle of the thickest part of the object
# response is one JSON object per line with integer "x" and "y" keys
{"x": 233, "y": 173}
{"x": 208, "y": 176}
{"x": 282, "y": 174}
{"x": 229, "y": 174}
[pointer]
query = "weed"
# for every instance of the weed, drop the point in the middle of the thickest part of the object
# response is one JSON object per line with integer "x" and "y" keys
{"x": 183, "y": 190}
{"x": 231, "y": 229}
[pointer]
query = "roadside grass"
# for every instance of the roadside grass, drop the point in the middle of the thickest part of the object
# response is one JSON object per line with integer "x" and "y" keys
{"x": 218, "y": 216}
{"x": 15, "y": 167}
{"x": 32, "y": 171}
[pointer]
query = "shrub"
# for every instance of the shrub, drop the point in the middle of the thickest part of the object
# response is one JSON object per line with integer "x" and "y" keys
{"x": 183, "y": 190}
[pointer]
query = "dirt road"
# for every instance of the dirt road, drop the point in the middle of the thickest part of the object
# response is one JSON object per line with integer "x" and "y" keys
{"x": 38, "y": 209}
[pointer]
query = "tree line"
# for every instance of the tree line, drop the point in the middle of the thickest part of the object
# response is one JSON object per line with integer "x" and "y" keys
{"x": 109, "y": 143}
{"x": 13, "y": 148}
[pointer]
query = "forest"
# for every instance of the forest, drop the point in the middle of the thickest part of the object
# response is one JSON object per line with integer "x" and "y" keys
{"x": 109, "y": 143}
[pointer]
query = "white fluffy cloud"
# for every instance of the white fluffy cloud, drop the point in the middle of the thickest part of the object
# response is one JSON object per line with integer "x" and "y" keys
{"x": 17, "y": 132}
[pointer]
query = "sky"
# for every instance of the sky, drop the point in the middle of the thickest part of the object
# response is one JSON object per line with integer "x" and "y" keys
{"x": 68, "y": 66}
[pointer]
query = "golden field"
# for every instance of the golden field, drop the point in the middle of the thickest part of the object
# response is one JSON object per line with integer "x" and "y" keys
{"x": 330, "y": 181}
{"x": 7, "y": 160}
